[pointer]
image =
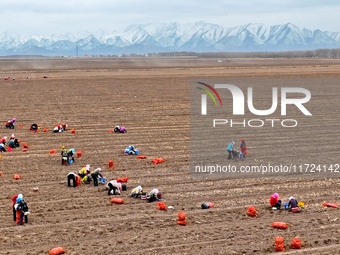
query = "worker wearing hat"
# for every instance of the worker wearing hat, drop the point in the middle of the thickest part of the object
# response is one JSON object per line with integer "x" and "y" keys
{"x": 275, "y": 202}
{"x": 230, "y": 150}
{"x": 84, "y": 171}
{"x": 64, "y": 155}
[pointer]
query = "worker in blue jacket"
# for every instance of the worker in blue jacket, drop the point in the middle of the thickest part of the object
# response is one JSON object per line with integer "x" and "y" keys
{"x": 230, "y": 150}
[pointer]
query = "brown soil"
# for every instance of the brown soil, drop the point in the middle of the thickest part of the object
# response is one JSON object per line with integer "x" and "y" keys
{"x": 150, "y": 97}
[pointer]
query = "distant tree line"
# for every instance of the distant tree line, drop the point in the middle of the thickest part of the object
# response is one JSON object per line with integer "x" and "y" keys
{"x": 319, "y": 53}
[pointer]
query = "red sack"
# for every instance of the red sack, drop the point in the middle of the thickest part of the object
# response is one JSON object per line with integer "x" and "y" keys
{"x": 73, "y": 130}
{"x": 78, "y": 181}
{"x": 181, "y": 219}
{"x": 141, "y": 157}
{"x": 158, "y": 160}
{"x": 16, "y": 177}
{"x": 25, "y": 145}
{"x": 281, "y": 225}
{"x": 161, "y": 206}
{"x": 296, "y": 244}
{"x": 110, "y": 164}
{"x": 52, "y": 151}
{"x": 57, "y": 251}
{"x": 117, "y": 201}
{"x": 24, "y": 150}
{"x": 45, "y": 130}
{"x": 122, "y": 179}
{"x": 210, "y": 204}
{"x": 279, "y": 244}
{"x": 330, "y": 205}
{"x": 251, "y": 211}
{"x": 295, "y": 209}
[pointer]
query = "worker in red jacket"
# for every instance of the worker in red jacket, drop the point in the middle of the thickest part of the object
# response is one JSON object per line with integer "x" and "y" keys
{"x": 275, "y": 202}
{"x": 243, "y": 148}
{"x": 14, "y": 199}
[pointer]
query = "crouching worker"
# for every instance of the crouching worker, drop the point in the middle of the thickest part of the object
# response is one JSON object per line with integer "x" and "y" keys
{"x": 58, "y": 129}
{"x": 275, "y": 202}
{"x": 2, "y": 147}
{"x": 116, "y": 129}
{"x": 13, "y": 142}
{"x": 114, "y": 187}
{"x": 87, "y": 179}
{"x": 95, "y": 175}
{"x": 72, "y": 177}
{"x": 10, "y": 123}
{"x": 137, "y": 192}
{"x": 154, "y": 195}
{"x": 34, "y": 127}
{"x": 293, "y": 205}
{"x": 130, "y": 150}
{"x": 3, "y": 140}
{"x": 21, "y": 209}
{"x": 84, "y": 171}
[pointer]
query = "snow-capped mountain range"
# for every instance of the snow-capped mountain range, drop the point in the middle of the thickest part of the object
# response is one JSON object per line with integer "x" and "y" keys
{"x": 170, "y": 37}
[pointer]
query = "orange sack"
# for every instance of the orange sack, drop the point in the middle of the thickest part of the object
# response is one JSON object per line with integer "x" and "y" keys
{"x": 161, "y": 206}
{"x": 78, "y": 154}
{"x": 181, "y": 219}
{"x": 251, "y": 211}
{"x": 279, "y": 244}
{"x": 57, "y": 251}
{"x": 330, "y": 205}
{"x": 78, "y": 181}
{"x": 296, "y": 244}
{"x": 25, "y": 145}
{"x": 158, "y": 160}
{"x": 125, "y": 179}
{"x": 117, "y": 201}
{"x": 110, "y": 164}
{"x": 16, "y": 177}
{"x": 210, "y": 204}
{"x": 281, "y": 225}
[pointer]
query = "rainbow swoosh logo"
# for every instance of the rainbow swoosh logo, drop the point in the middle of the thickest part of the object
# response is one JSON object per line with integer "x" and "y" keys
{"x": 209, "y": 93}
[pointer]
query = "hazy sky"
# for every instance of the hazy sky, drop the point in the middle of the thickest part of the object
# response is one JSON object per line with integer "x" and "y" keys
{"x": 62, "y": 16}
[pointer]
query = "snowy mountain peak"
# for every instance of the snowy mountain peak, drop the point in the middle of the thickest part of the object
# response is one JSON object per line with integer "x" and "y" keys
{"x": 165, "y": 37}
